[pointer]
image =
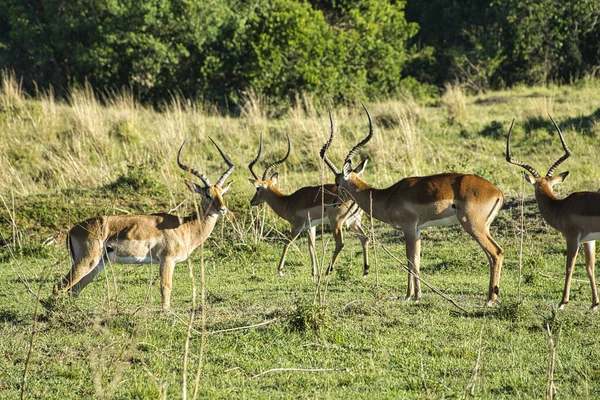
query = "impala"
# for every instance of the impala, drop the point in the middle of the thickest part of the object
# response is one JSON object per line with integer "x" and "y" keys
{"x": 418, "y": 202}
{"x": 303, "y": 209}
{"x": 137, "y": 239}
{"x": 577, "y": 216}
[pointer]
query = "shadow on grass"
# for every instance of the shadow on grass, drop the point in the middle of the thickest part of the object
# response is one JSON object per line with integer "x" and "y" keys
{"x": 584, "y": 124}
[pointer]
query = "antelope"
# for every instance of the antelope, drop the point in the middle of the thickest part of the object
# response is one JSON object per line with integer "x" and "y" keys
{"x": 138, "y": 239}
{"x": 303, "y": 209}
{"x": 419, "y": 202}
{"x": 577, "y": 216}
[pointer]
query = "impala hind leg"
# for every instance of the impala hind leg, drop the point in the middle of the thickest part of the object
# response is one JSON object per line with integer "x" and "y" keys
{"x": 572, "y": 250}
{"x": 589, "y": 249}
{"x": 495, "y": 255}
{"x": 79, "y": 286}
{"x": 86, "y": 257}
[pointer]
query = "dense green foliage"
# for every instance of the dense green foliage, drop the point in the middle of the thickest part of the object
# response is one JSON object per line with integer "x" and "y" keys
{"x": 497, "y": 43}
{"x": 335, "y": 51}
{"x": 214, "y": 50}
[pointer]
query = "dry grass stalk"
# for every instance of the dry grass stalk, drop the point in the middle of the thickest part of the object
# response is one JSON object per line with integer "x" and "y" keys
{"x": 31, "y": 340}
{"x": 550, "y": 388}
{"x": 540, "y": 107}
{"x": 474, "y": 374}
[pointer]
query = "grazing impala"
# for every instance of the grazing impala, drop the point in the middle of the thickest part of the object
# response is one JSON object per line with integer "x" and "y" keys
{"x": 136, "y": 239}
{"x": 303, "y": 210}
{"x": 419, "y": 202}
{"x": 577, "y": 216}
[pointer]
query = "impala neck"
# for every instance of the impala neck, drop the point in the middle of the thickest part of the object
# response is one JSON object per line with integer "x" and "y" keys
{"x": 277, "y": 201}
{"x": 548, "y": 204}
{"x": 200, "y": 227}
{"x": 367, "y": 198}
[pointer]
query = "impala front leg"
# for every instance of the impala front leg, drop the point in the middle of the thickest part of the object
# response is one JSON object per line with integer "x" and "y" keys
{"x": 413, "y": 254}
{"x": 364, "y": 242}
{"x": 572, "y": 249}
{"x": 590, "y": 258}
{"x": 167, "y": 266}
{"x": 294, "y": 234}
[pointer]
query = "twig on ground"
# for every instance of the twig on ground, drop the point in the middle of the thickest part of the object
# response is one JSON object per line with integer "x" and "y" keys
{"x": 430, "y": 286}
{"x": 270, "y": 321}
{"x": 300, "y": 370}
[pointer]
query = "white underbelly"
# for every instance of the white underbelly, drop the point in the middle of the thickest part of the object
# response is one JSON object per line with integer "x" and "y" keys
{"x": 440, "y": 222}
{"x": 589, "y": 237}
{"x": 131, "y": 259}
{"x": 316, "y": 222}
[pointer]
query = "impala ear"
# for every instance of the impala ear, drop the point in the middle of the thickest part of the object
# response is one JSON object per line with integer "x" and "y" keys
{"x": 226, "y": 187}
{"x": 528, "y": 177}
{"x": 274, "y": 178}
{"x": 559, "y": 178}
{"x": 347, "y": 169}
{"x": 361, "y": 167}
{"x": 193, "y": 187}
{"x": 254, "y": 182}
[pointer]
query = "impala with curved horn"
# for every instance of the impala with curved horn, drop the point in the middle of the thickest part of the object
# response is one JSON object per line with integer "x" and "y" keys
{"x": 577, "y": 216}
{"x": 418, "y": 202}
{"x": 137, "y": 239}
{"x": 303, "y": 210}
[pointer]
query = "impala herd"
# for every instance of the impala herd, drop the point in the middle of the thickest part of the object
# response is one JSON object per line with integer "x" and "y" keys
{"x": 409, "y": 205}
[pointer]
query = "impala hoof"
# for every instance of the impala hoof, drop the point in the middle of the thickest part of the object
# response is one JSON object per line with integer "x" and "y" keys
{"x": 594, "y": 307}
{"x": 561, "y": 306}
{"x": 281, "y": 273}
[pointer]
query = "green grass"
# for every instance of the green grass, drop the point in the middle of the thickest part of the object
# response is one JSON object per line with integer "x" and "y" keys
{"x": 118, "y": 343}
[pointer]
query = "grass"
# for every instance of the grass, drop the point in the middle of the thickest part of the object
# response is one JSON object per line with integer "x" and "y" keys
{"x": 64, "y": 162}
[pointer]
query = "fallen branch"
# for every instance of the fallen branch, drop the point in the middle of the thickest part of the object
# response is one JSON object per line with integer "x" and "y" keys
{"x": 244, "y": 327}
{"x": 300, "y": 370}
{"x": 430, "y": 286}
{"x": 560, "y": 277}
{"x": 239, "y": 328}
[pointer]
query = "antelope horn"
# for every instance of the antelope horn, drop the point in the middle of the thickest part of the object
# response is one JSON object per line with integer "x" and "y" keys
{"x": 362, "y": 142}
{"x": 251, "y": 165}
{"x": 568, "y": 152}
{"x": 193, "y": 171}
{"x": 276, "y": 163}
{"x": 223, "y": 177}
{"x": 326, "y": 147}
{"x": 511, "y": 160}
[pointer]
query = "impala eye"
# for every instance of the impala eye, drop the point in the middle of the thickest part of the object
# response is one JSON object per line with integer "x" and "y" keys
{"x": 208, "y": 196}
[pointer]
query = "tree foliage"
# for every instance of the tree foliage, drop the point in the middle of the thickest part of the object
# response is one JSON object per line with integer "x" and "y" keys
{"x": 497, "y": 43}
{"x": 213, "y": 50}
{"x": 334, "y": 50}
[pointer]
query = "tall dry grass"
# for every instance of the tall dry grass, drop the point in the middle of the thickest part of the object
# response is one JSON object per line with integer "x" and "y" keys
{"x": 454, "y": 100}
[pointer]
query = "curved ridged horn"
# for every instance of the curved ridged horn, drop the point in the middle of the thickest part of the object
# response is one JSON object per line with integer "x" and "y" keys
{"x": 193, "y": 171}
{"x": 326, "y": 147}
{"x": 223, "y": 177}
{"x": 362, "y": 142}
{"x": 276, "y": 163}
{"x": 509, "y": 158}
{"x": 568, "y": 152}
{"x": 251, "y": 165}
